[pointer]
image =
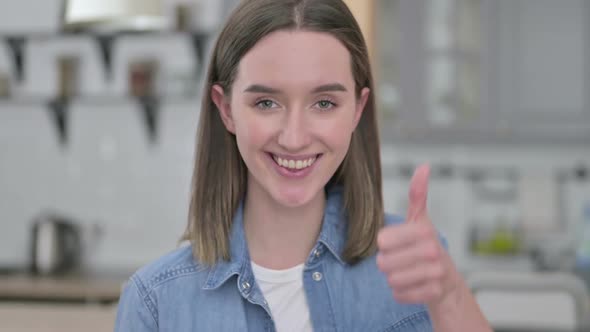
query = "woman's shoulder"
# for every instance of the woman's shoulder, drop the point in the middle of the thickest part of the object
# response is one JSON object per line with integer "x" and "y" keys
{"x": 173, "y": 265}
{"x": 153, "y": 294}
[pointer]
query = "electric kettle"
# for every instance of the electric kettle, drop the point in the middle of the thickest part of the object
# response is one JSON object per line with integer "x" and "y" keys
{"x": 55, "y": 245}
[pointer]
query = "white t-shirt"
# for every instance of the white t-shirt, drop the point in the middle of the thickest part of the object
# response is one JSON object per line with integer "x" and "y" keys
{"x": 283, "y": 291}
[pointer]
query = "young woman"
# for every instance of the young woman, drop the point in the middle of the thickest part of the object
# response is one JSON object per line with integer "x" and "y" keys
{"x": 286, "y": 225}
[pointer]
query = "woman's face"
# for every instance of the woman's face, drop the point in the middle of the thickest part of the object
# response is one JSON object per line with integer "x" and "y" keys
{"x": 292, "y": 109}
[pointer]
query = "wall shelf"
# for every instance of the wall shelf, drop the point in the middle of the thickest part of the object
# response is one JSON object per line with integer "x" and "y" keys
{"x": 115, "y": 51}
{"x": 104, "y": 41}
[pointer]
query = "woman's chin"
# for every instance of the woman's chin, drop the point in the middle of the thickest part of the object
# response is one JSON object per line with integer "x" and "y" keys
{"x": 294, "y": 197}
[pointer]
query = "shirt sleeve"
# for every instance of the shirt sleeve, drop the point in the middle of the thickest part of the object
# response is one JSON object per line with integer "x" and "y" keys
{"x": 133, "y": 313}
{"x": 418, "y": 322}
{"x": 443, "y": 241}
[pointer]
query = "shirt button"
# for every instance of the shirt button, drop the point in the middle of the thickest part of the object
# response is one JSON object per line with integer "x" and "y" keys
{"x": 245, "y": 285}
{"x": 316, "y": 253}
{"x": 317, "y": 276}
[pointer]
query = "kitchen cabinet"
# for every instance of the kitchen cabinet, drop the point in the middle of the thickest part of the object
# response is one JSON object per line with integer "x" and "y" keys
{"x": 65, "y": 303}
{"x": 540, "y": 53}
{"x": 484, "y": 71}
{"x": 27, "y": 317}
{"x": 546, "y": 301}
{"x": 431, "y": 62}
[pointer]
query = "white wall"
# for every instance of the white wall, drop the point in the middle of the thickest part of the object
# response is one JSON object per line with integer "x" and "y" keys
{"x": 110, "y": 174}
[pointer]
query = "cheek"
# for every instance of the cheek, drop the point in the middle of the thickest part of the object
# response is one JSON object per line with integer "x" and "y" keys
{"x": 337, "y": 133}
{"x": 341, "y": 142}
{"x": 250, "y": 131}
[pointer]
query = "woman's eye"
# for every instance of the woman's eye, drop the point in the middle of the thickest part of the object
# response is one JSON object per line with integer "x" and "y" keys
{"x": 325, "y": 104}
{"x": 266, "y": 104}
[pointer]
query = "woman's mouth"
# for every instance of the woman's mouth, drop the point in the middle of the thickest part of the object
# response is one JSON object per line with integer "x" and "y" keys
{"x": 294, "y": 164}
{"x": 294, "y": 167}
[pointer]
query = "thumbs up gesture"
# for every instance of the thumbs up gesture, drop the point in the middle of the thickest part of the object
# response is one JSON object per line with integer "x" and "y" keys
{"x": 417, "y": 267}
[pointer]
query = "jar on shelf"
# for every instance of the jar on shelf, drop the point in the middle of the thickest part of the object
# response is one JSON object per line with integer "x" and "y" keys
{"x": 4, "y": 85}
{"x": 142, "y": 76}
{"x": 183, "y": 17}
{"x": 68, "y": 67}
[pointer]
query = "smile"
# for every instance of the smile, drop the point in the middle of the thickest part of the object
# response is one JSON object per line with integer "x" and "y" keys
{"x": 294, "y": 163}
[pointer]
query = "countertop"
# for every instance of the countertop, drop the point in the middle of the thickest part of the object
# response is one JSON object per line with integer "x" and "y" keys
{"x": 67, "y": 288}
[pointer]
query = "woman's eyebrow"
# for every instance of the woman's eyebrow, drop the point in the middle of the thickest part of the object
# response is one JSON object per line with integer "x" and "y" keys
{"x": 258, "y": 88}
{"x": 329, "y": 88}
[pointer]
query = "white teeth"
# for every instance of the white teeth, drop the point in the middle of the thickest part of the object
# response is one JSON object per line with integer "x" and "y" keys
{"x": 294, "y": 164}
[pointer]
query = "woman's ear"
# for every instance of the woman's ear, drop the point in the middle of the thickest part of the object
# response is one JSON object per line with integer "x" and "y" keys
{"x": 360, "y": 105}
{"x": 223, "y": 106}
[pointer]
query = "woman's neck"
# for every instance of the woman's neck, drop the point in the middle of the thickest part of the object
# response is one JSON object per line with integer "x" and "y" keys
{"x": 280, "y": 237}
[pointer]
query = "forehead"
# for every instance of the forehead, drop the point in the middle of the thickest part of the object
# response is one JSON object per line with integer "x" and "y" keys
{"x": 296, "y": 58}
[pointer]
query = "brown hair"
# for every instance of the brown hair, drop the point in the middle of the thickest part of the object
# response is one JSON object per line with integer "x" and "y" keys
{"x": 219, "y": 176}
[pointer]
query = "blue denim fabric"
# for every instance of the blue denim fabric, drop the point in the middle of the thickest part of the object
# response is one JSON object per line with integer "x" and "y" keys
{"x": 177, "y": 294}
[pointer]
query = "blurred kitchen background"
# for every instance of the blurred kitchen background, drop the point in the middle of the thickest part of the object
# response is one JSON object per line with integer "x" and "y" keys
{"x": 99, "y": 103}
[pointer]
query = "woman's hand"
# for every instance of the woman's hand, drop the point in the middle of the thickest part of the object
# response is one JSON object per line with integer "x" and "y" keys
{"x": 417, "y": 267}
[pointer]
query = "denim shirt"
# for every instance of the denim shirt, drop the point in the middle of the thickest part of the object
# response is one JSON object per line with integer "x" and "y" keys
{"x": 176, "y": 293}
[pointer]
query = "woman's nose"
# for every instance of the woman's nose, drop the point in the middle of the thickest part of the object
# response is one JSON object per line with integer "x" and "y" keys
{"x": 294, "y": 134}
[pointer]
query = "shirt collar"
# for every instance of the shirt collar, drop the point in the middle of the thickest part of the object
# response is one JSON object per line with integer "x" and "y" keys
{"x": 239, "y": 255}
{"x": 332, "y": 235}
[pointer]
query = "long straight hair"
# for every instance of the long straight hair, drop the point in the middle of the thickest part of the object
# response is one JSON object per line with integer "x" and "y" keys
{"x": 219, "y": 176}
